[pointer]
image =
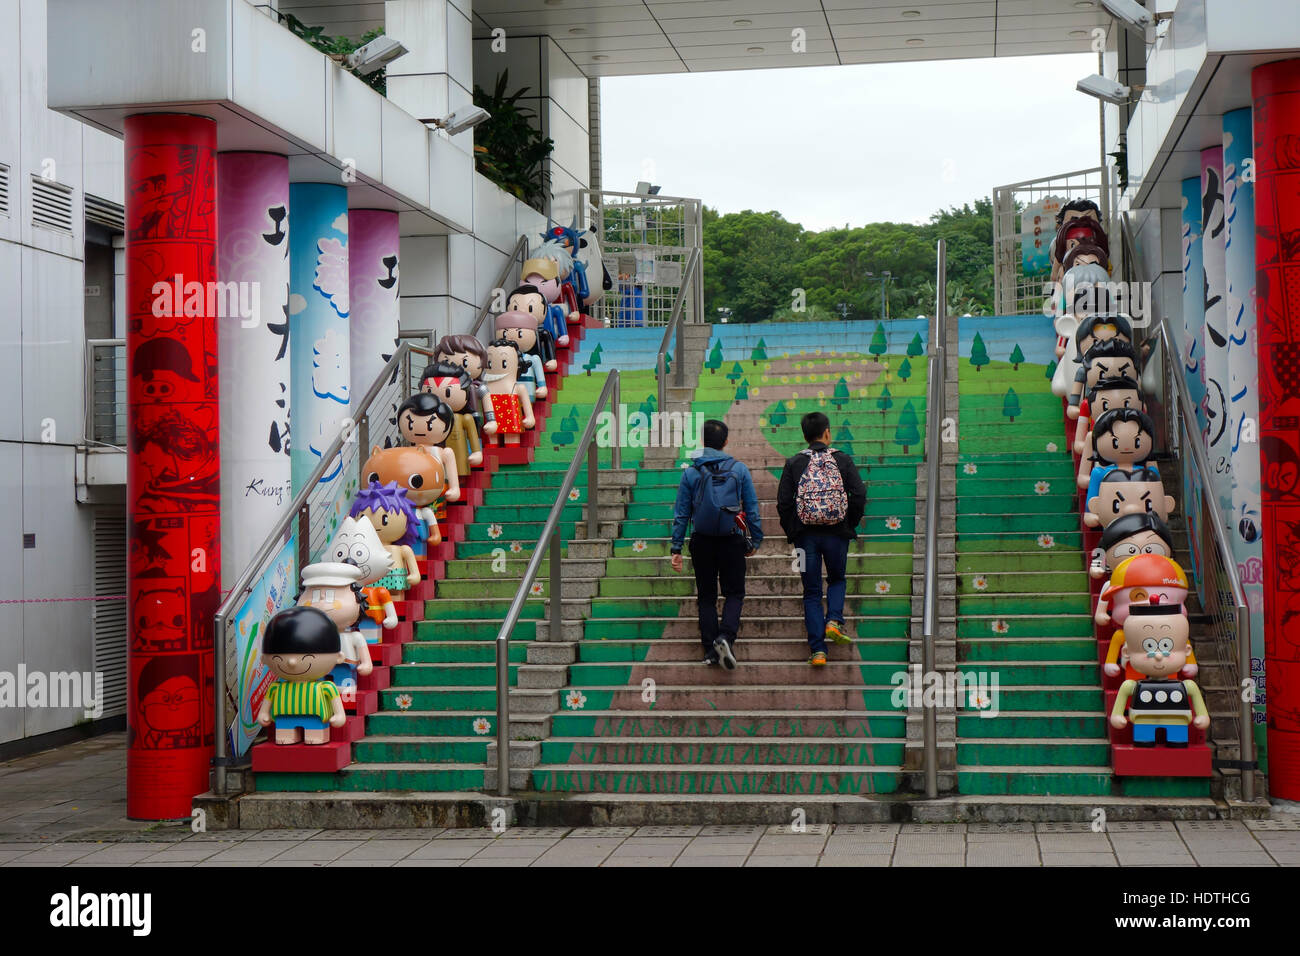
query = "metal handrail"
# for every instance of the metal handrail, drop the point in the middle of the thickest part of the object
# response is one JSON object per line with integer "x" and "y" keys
{"x": 516, "y": 259}
{"x": 550, "y": 538}
{"x": 689, "y": 275}
{"x": 296, "y": 515}
{"x": 1216, "y": 525}
{"x": 934, "y": 411}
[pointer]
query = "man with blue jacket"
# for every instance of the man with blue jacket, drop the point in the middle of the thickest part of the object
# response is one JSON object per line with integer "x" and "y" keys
{"x": 717, "y": 497}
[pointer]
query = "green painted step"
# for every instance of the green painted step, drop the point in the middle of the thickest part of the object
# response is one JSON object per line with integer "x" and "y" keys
{"x": 421, "y": 750}
{"x": 1032, "y": 582}
{"x": 447, "y": 675}
{"x": 605, "y": 651}
{"x": 388, "y": 723}
{"x": 663, "y": 723}
{"x": 434, "y": 631}
{"x": 1059, "y": 725}
{"x": 446, "y": 652}
{"x": 1032, "y": 752}
{"x": 728, "y": 751}
{"x": 615, "y": 778}
{"x": 1010, "y": 649}
{"x": 1037, "y": 782}
{"x": 683, "y": 586}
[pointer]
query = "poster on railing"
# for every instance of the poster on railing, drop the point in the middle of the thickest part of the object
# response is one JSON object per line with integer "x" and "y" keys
{"x": 273, "y": 592}
{"x": 1037, "y": 229}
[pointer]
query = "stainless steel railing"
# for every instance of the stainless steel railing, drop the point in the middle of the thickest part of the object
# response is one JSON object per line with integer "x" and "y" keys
{"x": 1223, "y": 598}
{"x": 511, "y": 267}
{"x": 312, "y": 518}
{"x": 549, "y": 539}
{"x": 692, "y": 278}
{"x": 105, "y": 392}
{"x": 934, "y": 412}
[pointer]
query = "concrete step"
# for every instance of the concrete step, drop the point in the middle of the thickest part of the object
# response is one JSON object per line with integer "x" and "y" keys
{"x": 714, "y": 778}
{"x": 793, "y": 751}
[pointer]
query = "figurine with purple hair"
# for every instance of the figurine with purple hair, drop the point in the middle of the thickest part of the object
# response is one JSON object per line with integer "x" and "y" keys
{"x": 394, "y": 519}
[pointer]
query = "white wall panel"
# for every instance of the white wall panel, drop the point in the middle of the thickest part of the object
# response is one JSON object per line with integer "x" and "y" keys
{"x": 424, "y": 265}
{"x": 53, "y": 344}
{"x": 11, "y": 358}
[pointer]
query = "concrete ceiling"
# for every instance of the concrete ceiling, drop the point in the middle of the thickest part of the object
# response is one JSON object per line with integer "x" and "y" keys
{"x": 630, "y": 37}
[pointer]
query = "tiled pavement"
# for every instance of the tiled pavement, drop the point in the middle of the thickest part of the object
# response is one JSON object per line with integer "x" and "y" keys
{"x": 66, "y": 807}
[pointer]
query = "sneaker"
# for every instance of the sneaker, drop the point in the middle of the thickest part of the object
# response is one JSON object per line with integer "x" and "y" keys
{"x": 818, "y": 659}
{"x": 725, "y": 657}
{"x": 710, "y": 659}
{"x": 838, "y": 632}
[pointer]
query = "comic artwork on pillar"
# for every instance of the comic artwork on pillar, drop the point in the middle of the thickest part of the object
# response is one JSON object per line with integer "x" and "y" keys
{"x": 253, "y": 260}
{"x": 1215, "y": 341}
{"x": 373, "y": 287}
{"x": 173, "y": 468}
{"x": 1276, "y": 91}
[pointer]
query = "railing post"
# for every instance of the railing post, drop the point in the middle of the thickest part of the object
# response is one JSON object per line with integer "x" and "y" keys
{"x": 659, "y": 378}
{"x": 679, "y": 374}
{"x": 593, "y": 490}
{"x": 616, "y": 449}
{"x": 503, "y": 713}
{"x": 557, "y": 587}
{"x": 1247, "y": 706}
{"x": 220, "y": 754}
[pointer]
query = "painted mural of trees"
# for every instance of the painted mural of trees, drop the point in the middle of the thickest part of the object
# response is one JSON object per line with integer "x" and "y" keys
{"x": 915, "y": 348}
{"x": 715, "y": 358}
{"x": 1017, "y": 357}
{"x": 905, "y": 370}
{"x": 979, "y": 354}
{"x": 594, "y": 360}
{"x": 759, "y": 353}
{"x": 907, "y": 434}
{"x": 1011, "y": 404}
{"x": 778, "y": 416}
{"x": 841, "y": 394}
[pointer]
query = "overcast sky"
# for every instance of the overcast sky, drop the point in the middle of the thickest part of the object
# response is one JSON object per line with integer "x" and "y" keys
{"x": 825, "y": 146}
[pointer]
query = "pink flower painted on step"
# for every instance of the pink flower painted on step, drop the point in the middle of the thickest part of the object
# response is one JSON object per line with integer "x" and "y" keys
{"x": 1046, "y": 541}
{"x": 515, "y": 547}
{"x": 482, "y": 726}
{"x": 1000, "y": 626}
{"x": 980, "y": 582}
{"x": 638, "y": 546}
{"x": 575, "y": 700}
{"x": 403, "y": 701}
{"x": 893, "y": 524}
{"x": 536, "y": 589}
{"x": 1042, "y": 488}
{"x": 494, "y": 531}
{"x": 980, "y": 701}
{"x": 882, "y": 587}
{"x": 970, "y": 468}
{"x": 573, "y": 494}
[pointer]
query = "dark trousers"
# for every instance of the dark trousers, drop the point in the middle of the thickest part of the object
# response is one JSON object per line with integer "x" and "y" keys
{"x": 719, "y": 559}
{"x": 834, "y": 551}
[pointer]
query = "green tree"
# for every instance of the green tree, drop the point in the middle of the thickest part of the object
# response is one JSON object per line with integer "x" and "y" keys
{"x": 778, "y": 416}
{"x": 915, "y": 347}
{"x": 878, "y": 342}
{"x": 907, "y": 434}
{"x": 715, "y": 358}
{"x": 1051, "y": 369}
{"x": 1017, "y": 357}
{"x": 905, "y": 370}
{"x": 759, "y": 353}
{"x": 841, "y": 394}
{"x": 979, "y": 355}
{"x": 843, "y": 439}
{"x": 594, "y": 360}
{"x": 886, "y": 401}
{"x": 742, "y": 391}
{"x": 1010, "y": 404}
{"x": 736, "y": 373}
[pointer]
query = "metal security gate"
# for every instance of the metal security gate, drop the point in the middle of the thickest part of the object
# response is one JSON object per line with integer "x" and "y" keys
{"x": 1017, "y": 230}
{"x": 645, "y": 241}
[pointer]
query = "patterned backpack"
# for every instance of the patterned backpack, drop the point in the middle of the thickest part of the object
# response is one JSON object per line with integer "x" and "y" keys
{"x": 820, "y": 498}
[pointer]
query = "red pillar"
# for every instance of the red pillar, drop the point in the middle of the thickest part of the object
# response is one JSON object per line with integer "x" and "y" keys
{"x": 173, "y": 467}
{"x": 1276, "y": 91}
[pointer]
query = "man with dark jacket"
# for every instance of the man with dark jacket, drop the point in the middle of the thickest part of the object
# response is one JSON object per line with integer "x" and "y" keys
{"x": 719, "y": 543}
{"x": 820, "y": 517}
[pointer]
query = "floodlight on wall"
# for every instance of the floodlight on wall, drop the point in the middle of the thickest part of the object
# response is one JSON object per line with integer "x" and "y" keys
{"x": 645, "y": 189}
{"x": 1130, "y": 14}
{"x": 467, "y": 117}
{"x": 1106, "y": 90}
{"x": 375, "y": 55}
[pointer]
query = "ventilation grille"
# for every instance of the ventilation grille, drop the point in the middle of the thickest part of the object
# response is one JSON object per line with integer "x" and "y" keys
{"x": 4, "y": 190}
{"x": 105, "y": 213}
{"x": 51, "y": 205}
{"x": 109, "y": 614}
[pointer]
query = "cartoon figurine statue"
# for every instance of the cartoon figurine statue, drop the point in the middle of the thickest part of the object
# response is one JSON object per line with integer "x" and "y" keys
{"x": 357, "y": 543}
{"x": 530, "y": 301}
{"x": 453, "y": 386}
{"x": 544, "y": 276}
{"x": 564, "y": 265}
{"x": 1076, "y": 209}
{"x": 390, "y": 511}
{"x": 426, "y": 422}
{"x": 521, "y": 329}
{"x": 468, "y": 352}
{"x": 1143, "y": 580}
{"x": 1124, "y": 491}
{"x": 1076, "y": 233}
{"x": 1143, "y": 532}
{"x": 593, "y": 264}
{"x": 1120, "y": 436}
{"x": 1156, "y": 641}
{"x": 509, "y": 397}
{"x": 1108, "y": 393}
{"x": 334, "y": 588}
{"x": 570, "y": 239}
{"x": 300, "y": 646}
{"x": 1114, "y": 334}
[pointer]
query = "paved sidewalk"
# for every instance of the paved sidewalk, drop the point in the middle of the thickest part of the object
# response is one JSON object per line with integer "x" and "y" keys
{"x": 67, "y": 807}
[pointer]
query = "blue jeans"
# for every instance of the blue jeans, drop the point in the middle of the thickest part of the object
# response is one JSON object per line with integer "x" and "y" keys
{"x": 834, "y": 551}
